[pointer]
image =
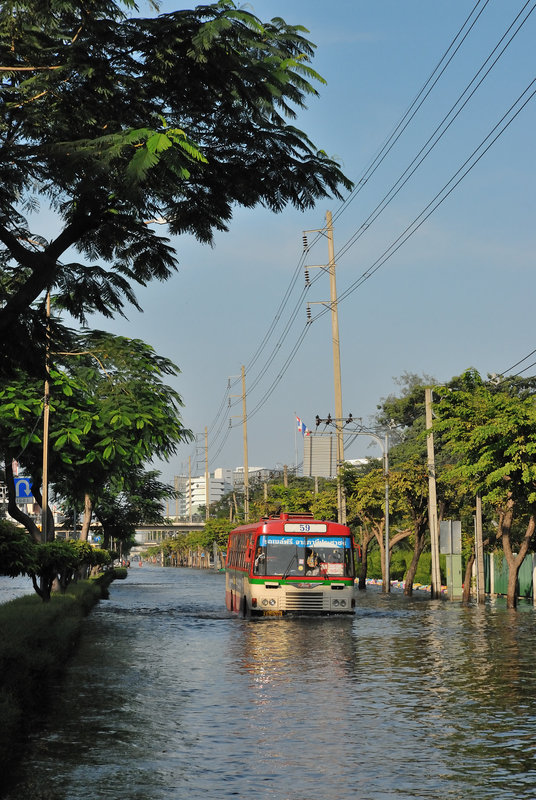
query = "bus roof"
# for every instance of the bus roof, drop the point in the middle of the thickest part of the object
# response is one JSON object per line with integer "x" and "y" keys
{"x": 275, "y": 522}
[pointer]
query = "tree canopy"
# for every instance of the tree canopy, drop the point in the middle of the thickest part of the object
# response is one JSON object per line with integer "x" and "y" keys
{"x": 111, "y": 412}
{"x": 490, "y": 427}
{"x": 116, "y": 122}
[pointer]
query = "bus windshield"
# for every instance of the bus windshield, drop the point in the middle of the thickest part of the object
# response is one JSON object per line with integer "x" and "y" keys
{"x": 304, "y": 556}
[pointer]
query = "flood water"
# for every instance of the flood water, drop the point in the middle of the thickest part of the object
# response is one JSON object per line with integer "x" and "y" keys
{"x": 169, "y": 697}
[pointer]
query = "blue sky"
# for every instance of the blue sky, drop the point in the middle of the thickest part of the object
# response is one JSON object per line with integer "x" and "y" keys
{"x": 459, "y": 293}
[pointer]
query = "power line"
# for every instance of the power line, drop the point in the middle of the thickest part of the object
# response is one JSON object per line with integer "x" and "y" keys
{"x": 392, "y": 193}
{"x": 430, "y": 208}
{"x": 412, "y": 228}
{"x": 506, "y": 371}
{"x": 389, "y": 144}
{"x": 400, "y": 183}
{"x": 414, "y": 106}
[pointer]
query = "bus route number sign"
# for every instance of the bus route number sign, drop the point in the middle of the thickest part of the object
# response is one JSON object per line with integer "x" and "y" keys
{"x": 305, "y": 527}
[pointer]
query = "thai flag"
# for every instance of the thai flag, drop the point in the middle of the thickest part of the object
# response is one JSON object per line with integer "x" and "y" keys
{"x": 303, "y": 429}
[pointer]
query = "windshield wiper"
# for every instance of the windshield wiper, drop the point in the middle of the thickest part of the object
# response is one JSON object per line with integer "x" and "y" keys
{"x": 289, "y": 565}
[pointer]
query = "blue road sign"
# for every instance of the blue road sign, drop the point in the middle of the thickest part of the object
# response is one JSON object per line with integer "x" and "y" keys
{"x": 23, "y": 488}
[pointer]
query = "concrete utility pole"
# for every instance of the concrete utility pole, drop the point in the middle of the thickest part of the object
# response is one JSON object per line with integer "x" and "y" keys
{"x": 341, "y": 499}
{"x": 189, "y": 488}
{"x": 46, "y": 414}
{"x": 479, "y": 552}
{"x": 432, "y": 497}
{"x": 207, "y": 477}
{"x": 386, "y": 475}
{"x": 246, "y": 466}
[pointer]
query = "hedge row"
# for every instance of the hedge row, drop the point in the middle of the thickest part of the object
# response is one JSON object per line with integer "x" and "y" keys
{"x": 36, "y": 640}
{"x": 400, "y": 561}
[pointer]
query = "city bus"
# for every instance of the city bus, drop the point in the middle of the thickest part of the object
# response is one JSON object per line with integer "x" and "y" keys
{"x": 290, "y": 564}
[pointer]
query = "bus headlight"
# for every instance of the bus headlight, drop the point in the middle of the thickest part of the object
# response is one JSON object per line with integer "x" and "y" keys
{"x": 265, "y": 602}
{"x": 272, "y": 602}
{"x": 335, "y": 602}
{"x": 343, "y": 602}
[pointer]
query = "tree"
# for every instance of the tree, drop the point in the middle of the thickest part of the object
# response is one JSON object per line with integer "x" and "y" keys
{"x": 292, "y": 499}
{"x": 405, "y": 414}
{"x": 110, "y": 413}
{"x": 366, "y": 504}
{"x": 58, "y": 561}
{"x": 17, "y": 551}
{"x": 491, "y": 427}
{"x": 129, "y": 500}
{"x": 118, "y": 122}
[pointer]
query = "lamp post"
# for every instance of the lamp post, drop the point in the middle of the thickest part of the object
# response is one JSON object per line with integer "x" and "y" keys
{"x": 384, "y": 444}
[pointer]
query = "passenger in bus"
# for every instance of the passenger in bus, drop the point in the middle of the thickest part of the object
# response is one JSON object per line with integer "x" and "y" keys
{"x": 260, "y": 559}
{"x": 313, "y": 563}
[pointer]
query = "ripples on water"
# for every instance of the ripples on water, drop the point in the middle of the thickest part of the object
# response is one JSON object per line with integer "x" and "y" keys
{"x": 170, "y": 697}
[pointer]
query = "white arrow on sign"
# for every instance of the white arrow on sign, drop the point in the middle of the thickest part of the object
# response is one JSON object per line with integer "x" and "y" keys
{"x": 23, "y": 487}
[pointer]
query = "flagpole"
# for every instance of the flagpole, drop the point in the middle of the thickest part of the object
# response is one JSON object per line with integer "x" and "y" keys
{"x": 296, "y": 441}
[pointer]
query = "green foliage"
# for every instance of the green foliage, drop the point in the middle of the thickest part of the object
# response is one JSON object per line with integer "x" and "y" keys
{"x": 291, "y": 499}
{"x": 18, "y": 553}
{"x": 400, "y": 561}
{"x": 117, "y": 121}
{"x": 120, "y": 573}
{"x": 491, "y": 428}
{"x": 128, "y": 499}
{"x": 216, "y": 530}
{"x": 110, "y": 412}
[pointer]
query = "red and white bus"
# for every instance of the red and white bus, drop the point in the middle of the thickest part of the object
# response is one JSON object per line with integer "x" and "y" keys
{"x": 290, "y": 564}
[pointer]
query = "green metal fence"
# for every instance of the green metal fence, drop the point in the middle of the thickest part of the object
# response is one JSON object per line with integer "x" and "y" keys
{"x": 500, "y": 570}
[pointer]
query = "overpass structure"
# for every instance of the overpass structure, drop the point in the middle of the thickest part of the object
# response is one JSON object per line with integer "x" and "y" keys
{"x": 150, "y": 535}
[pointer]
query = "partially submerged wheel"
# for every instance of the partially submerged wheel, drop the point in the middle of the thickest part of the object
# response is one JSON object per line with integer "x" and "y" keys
{"x": 246, "y": 612}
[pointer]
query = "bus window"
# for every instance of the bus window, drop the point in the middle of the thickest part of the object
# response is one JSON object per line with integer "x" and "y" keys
{"x": 299, "y": 556}
{"x": 259, "y": 565}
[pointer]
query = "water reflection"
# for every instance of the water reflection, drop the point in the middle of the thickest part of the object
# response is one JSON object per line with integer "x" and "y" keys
{"x": 171, "y": 697}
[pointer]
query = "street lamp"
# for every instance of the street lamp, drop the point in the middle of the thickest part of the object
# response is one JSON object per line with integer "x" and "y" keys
{"x": 384, "y": 444}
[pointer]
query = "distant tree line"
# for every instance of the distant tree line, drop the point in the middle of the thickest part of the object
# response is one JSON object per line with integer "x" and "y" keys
{"x": 485, "y": 442}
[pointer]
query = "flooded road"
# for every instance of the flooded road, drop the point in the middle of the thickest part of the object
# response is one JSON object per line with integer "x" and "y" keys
{"x": 169, "y": 697}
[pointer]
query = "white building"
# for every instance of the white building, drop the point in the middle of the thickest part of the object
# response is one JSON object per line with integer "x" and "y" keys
{"x": 192, "y": 492}
{"x": 193, "y": 495}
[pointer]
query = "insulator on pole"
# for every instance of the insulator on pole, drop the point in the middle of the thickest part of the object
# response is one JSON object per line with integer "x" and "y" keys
{"x": 308, "y": 313}
{"x": 305, "y": 245}
{"x": 307, "y": 281}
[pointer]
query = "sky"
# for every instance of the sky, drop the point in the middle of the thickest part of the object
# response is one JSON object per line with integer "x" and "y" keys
{"x": 458, "y": 293}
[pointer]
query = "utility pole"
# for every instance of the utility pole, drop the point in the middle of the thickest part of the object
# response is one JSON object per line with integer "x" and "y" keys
{"x": 341, "y": 499}
{"x": 189, "y": 488}
{"x": 46, "y": 415}
{"x": 479, "y": 552}
{"x": 207, "y": 477}
{"x": 432, "y": 498}
{"x": 245, "y": 428}
{"x": 387, "y": 587}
